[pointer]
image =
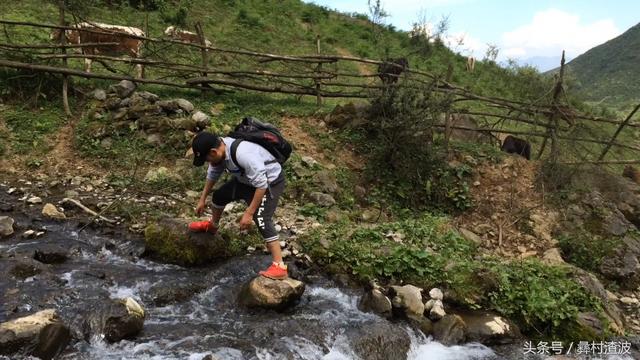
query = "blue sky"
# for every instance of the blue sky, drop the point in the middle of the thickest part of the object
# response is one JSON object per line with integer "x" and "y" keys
{"x": 521, "y": 29}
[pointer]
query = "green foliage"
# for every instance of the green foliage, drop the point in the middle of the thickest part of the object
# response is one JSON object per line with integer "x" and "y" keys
{"x": 30, "y": 128}
{"x": 313, "y": 210}
{"x": 541, "y": 297}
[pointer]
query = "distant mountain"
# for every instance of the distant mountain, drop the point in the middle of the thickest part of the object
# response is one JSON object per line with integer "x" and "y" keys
{"x": 610, "y": 72}
{"x": 542, "y": 63}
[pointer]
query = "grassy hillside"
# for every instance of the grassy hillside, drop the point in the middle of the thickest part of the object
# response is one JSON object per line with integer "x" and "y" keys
{"x": 609, "y": 72}
{"x": 286, "y": 27}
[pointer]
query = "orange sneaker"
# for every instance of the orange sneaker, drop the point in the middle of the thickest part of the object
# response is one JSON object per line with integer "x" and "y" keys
{"x": 275, "y": 272}
{"x": 203, "y": 226}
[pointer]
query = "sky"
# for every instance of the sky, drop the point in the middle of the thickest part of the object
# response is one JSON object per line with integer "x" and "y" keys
{"x": 522, "y": 30}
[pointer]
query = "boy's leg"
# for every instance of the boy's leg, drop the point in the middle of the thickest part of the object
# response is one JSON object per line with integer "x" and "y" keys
{"x": 264, "y": 220}
{"x": 220, "y": 198}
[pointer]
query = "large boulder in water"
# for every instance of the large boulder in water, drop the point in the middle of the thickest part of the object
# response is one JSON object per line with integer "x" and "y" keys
{"x": 271, "y": 294}
{"x": 374, "y": 300}
{"x": 115, "y": 320}
{"x": 489, "y": 329}
{"x": 42, "y": 335}
{"x": 408, "y": 301}
{"x": 381, "y": 341}
{"x": 170, "y": 240}
{"x": 450, "y": 330}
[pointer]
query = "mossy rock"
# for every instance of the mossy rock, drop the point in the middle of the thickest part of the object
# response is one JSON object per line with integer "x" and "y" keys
{"x": 170, "y": 240}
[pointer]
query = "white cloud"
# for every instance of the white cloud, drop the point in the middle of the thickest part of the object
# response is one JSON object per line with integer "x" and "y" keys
{"x": 552, "y": 31}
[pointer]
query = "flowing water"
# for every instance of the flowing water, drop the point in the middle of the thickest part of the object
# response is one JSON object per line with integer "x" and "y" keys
{"x": 324, "y": 325}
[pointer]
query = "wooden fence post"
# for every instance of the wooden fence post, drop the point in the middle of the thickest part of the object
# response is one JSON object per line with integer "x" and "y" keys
{"x": 553, "y": 120}
{"x": 318, "y": 72}
{"x": 65, "y": 78}
{"x": 447, "y": 114}
{"x": 205, "y": 52}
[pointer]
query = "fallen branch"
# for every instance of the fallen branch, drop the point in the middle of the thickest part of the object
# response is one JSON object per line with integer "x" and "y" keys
{"x": 87, "y": 210}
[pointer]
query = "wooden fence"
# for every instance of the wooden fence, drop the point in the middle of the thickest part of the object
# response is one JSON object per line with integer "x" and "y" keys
{"x": 210, "y": 68}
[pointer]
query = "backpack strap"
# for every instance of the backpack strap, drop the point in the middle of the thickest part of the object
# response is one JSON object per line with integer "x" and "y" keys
{"x": 233, "y": 151}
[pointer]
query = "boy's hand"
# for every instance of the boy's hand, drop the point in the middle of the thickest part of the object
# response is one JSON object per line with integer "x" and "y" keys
{"x": 245, "y": 221}
{"x": 200, "y": 207}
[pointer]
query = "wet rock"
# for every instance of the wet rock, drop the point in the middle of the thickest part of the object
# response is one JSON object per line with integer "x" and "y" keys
{"x": 123, "y": 89}
{"x": 379, "y": 342}
{"x": 49, "y": 210}
{"x": 437, "y": 310}
{"x": 171, "y": 241}
{"x": 165, "y": 294}
{"x": 408, "y": 300}
{"x": 25, "y": 267}
{"x": 99, "y": 94}
{"x": 321, "y": 199}
{"x": 42, "y": 335}
{"x": 50, "y": 254}
{"x": 34, "y": 200}
{"x": 6, "y": 226}
{"x": 184, "y": 105}
{"x": 589, "y": 325}
{"x": 450, "y": 330}
{"x": 115, "y": 320}
{"x": 271, "y": 294}
{"x": 489, "y": 329}
{"x": 375, "y": 301}
{"x": 436, "y": 294}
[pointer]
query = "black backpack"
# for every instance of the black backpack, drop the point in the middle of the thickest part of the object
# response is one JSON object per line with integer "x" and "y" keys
{"x": 263, "y": 134}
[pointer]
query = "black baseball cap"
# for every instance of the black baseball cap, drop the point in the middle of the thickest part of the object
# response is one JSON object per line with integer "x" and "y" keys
{"x": 202, "y": 143}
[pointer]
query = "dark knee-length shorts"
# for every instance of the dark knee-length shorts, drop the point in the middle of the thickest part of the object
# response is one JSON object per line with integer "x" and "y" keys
{"x": 234, "y": 190}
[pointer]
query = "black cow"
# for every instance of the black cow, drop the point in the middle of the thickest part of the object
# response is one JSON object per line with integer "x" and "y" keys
{"x": 390, "y": 70}
{"x": 514, "y": 145}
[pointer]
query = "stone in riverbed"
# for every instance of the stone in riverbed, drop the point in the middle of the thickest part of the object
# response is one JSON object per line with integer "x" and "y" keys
{"x": 271, "y": 294}
{"x": 6, "y": 226}
{"x": 115, "y": 320}
{"x": 374, "y": 300}
{"x": 450, "y": 330}
{"x": 408, "y": 300}
{"x": 42, "y": 335}
{"x": 381, "y": 341}
{"x": 489, "y": 329}
{"x": 49, "y": 210}
{"x": 171, "y": 241}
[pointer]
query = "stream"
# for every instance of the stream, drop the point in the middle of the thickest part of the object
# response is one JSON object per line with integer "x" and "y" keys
{"x": 102, "y": 263}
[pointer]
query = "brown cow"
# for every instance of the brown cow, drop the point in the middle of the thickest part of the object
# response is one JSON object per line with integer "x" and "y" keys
{"x": 184, "y": 35}
{"x": 125, "y": 44}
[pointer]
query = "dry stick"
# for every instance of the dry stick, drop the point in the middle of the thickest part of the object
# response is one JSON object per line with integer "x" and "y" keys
{"x": 58, "y": 70}
{"x": 615, "y": 135}
{"x": 86, "y": 209}
{"x": 57, "y": 46}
